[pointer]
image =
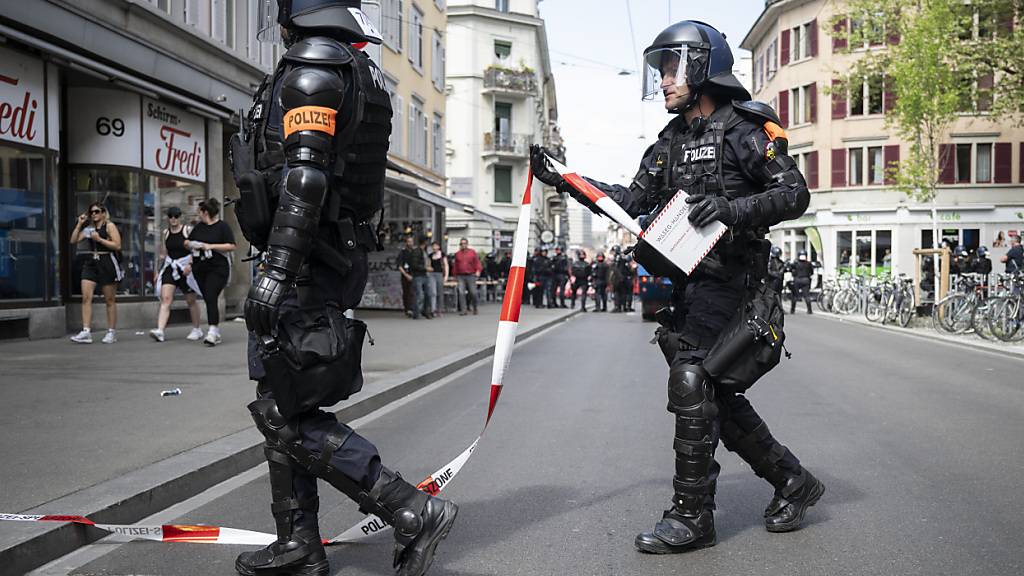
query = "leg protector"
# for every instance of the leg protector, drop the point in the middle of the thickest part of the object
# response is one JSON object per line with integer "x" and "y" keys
{"x": 691, "y": 399}
{"x": 298, "y": 549}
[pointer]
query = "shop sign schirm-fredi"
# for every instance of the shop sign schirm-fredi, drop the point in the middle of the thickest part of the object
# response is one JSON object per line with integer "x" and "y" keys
{"x": 174, "y": 141}
{"x": 21, "y": 99}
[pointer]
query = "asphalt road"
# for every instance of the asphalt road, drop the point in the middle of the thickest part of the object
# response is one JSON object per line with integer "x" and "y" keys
{"x": 919, "y": 444}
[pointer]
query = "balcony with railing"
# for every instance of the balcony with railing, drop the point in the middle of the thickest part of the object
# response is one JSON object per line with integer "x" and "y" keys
{"x": 509, "y": 81}
{"x": 507, "y": 144}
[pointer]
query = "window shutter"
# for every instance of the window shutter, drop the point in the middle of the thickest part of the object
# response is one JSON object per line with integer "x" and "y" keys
{"x": 947, "y": 163}
{"x": 837, "y": 42}
{"x": 838, "y": 167}
{"x": 1006, "y": 22}
{"x": 1003, "y": 152}
{"x": 890, "y": 160}
{"x": 812, "y": 170}
{"x": 784, "y": 108}
{"x": 812, "y": 37}
{"x": 784, "y": 48}
{"x": 1020, "y": 163}
{"x": 893, "y": 38}
{"x": 888, "y": 98}
{"x": 812, "y": 96}
{"x": 838, "y": 100}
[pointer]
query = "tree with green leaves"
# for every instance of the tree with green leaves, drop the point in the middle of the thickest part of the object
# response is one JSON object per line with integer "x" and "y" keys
{"x": 941, "y": 58}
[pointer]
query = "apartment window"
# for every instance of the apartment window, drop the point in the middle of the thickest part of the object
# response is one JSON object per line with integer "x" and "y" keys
{"x": 437, "y": 65}
{"x": 397, "y": 116}
{"x": 438, "y": 144}
{"x": 392, "y": 17}
{"x": 503, "y": 184}
{"x": 856, "y": 167}
{"x": 876, "y": 166}
{"x": 867, "y": 96}
{"x": 802, "y": 104}
{"x": 963, "y": 163}
{"x": 983, "y": 163}
{"x": 223, "y": 21}
{"x": 772, "y": 54}
{"x": 191, "y": 12}
{"x": 417, "y": 132}
{"x": 797, "y": 114}
{"x": 502, "y": 49}
{"x": 163, "y": 5}
{"x": 759, "y": 73}
{"x": 252, "y": 45}
{"x": 416, "y": 38}
{"x": 502, "y": 124}
{"x": 501, "y": 5}
{"x": 799, "y": 39}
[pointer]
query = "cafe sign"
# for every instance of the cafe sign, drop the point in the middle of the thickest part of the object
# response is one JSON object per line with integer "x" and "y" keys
{"x": 22, "y": 105}
{"x": 174, "y": 141}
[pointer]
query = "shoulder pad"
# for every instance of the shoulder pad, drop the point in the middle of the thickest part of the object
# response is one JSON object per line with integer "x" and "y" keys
{"x": 319, "y": 50}
{"x": 758, "y": 109}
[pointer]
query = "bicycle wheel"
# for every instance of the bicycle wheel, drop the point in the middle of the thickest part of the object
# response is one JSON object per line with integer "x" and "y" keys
{"x": 1005, "y": 318}
{"x": 845, "y": 302}
{"x": 944, "y": 311}
{"x": 963, "y": 312}
{"x": 906, "y": 308}
{"x": 980, "y": 320}
{"x": 874, "y": 309}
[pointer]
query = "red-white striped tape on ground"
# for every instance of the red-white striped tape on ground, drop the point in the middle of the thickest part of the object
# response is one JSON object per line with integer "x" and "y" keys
{"x": 508, "y": 325}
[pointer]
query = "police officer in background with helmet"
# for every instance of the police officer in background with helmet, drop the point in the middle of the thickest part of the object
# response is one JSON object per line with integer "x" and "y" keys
{"x": 776, "y": 269}
{"x": 310, "y": 168}
{"x": 802, "y": 271}
{"x": 730, "y": 155}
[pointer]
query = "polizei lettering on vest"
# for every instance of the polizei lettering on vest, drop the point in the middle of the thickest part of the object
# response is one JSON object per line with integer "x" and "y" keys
{"x": 702, "y": 153}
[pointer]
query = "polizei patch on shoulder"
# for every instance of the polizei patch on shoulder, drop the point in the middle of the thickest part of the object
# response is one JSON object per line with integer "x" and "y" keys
{"x": 317, "y": 118}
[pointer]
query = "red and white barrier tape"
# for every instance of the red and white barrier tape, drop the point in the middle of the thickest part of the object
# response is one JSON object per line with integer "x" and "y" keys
{"x": 508, "y": 325}
{"x": 606, "y": 204}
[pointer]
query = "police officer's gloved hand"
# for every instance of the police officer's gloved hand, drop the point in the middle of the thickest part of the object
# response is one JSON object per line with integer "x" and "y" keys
{"x": 542, "y": 168}
{"x": 706, "y": 209}
{"x": 261, "y": 307}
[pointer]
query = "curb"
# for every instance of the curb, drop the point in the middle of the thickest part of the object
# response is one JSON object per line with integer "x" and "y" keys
{"x": 994, "y": 348}
{"x": 148, "y": 490}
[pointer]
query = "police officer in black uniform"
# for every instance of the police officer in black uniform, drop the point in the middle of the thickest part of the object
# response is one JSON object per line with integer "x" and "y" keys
{"x": 542, "y": 275}
{"x": 599, "y": 280}
{"x": 802, "y": 271}
{"x": 730, "y": 156}
{"x": 559, "y": 275}
{"x": 310, "y": 167}
{"x": 982, "y": 263}
{"x": 580, "y": 280}
{"x": 776, "y": 269}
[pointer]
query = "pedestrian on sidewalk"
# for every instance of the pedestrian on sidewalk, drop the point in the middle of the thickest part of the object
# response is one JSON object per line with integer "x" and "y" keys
{"x": 412, "y": 263}
{"x": 438, "y": 275}
{"x": 328, "y": 117}
{"x": 211, "y": 243}
{"x": 101, "y": 267}
{"x": 176, "y": 274}
{"x": 467, "y": 269}
{"x": 1014, "y": 257}
{"x": 402, "y": 265}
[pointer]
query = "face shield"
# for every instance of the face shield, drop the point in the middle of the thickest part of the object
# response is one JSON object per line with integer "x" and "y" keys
{"x": 268, "y": 31}
{"x": 662, "y": 69}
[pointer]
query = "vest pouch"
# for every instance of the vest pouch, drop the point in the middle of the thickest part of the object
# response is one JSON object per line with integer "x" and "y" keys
{"x": 319, "y": 360}
{"x": 253, "y": 209}
{"x": 751, "y": 345}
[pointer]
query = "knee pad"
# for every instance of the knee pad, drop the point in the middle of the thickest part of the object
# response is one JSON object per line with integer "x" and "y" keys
{"x": 268, "y": 418}
{"x": 689, "y": 388}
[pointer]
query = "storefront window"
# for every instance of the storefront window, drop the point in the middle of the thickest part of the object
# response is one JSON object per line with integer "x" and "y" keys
{"x": 24, "y": 237}
{"x": 864, "y": 261}
{"x": 163, "y": 192}
{"x": 119, "y": 190}
{"x": 844, "y": 242}
{"x": 883, "y": 252}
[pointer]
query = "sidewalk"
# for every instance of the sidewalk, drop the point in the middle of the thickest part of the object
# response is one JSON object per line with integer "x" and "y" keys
{"x": 77, "y": 415}
{"x": 921, "y": 327}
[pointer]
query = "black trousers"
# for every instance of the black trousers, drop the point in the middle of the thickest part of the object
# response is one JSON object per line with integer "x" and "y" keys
{"x": 357, "y": 457}
{"x": 600, "y": 297}
{"x": 801, "y": 290}
{"x": 579, "y": 286}
{"x": 557, "y": 290}
{"x": 212, "y": 278}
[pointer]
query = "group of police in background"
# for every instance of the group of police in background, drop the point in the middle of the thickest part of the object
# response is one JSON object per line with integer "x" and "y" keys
{"x": 548, "y": 276}
{"x": 801, "y": 270}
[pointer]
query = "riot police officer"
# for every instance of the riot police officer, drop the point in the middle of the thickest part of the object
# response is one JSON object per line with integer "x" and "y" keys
{"x": 559, "y": 275}
{"x": 776, "y": 269}
{"x": 599, "y": 280}
{"x": 310, "y": 168}
{"x": 982, "y": 263}
{"x": 580, "y": 280}
{"x": 802, "y": 271}
{"x": 729, "y": 155}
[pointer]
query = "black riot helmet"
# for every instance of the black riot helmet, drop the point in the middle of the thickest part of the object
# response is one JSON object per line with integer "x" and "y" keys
{"x": 342, "y": 18}
{"x": 696, "y": 55}
{"x": 776, "y": 252}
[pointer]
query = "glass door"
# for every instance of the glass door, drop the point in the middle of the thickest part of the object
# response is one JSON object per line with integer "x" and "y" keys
{"x": 23, "y": 228}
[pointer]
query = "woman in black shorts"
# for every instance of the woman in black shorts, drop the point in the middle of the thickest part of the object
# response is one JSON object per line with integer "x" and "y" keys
{"x": 102, "y": 268}
{"x": 176, "y": 273}
{"x": 211, "y": 243}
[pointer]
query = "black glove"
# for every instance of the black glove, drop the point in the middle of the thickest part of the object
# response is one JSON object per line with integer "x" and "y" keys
{"x": 707, "y": 209}
{"x": 263, "y": 303}
{"x": 542, "y": 168}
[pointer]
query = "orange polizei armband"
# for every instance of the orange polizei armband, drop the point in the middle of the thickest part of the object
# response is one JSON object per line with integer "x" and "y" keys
{"x": 317, "y": 118}
{"x": 774, "y": 131}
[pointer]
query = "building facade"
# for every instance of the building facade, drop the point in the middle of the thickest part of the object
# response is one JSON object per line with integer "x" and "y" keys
{"x": 129, "y": 103}
{"x": 856, "y": 220}
{"x": 501, "y": 100}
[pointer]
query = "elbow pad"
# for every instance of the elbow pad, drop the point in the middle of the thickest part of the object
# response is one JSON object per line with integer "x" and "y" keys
{"x": 297, "y": 219}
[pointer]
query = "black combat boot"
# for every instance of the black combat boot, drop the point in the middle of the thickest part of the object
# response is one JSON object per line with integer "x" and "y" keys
{"x": 420, "y": 521}
{"x": 299, "y": 550}
{"x": 786, "y": 510}
{"x": 690, "y": 523}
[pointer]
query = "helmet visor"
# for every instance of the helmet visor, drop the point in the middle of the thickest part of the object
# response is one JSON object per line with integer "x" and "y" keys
{"x": 268, "y": 31}
{"x": 676, "y": 66}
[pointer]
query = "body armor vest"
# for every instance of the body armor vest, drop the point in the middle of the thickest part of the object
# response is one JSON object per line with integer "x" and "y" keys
{"x": 361, "y": 144}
